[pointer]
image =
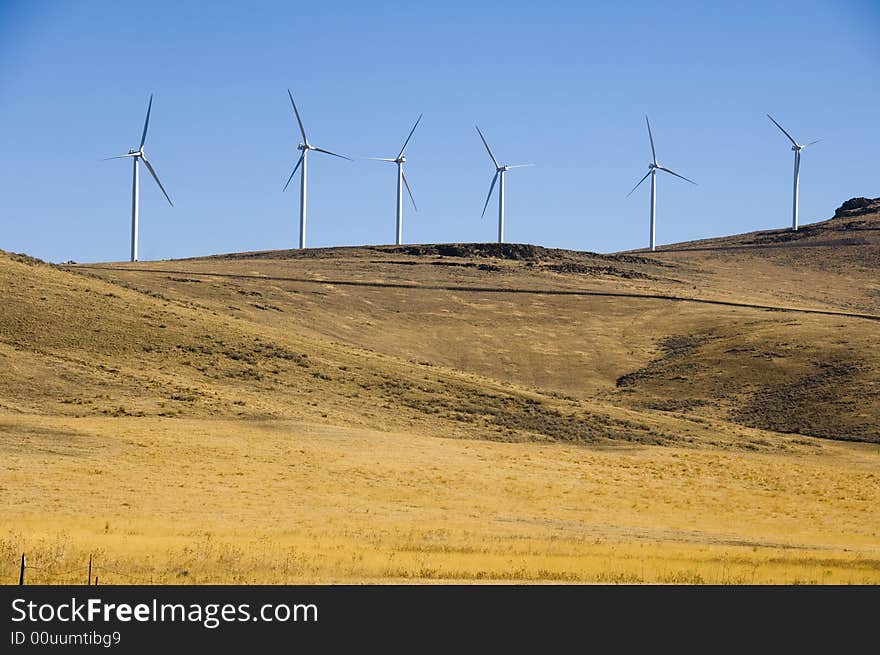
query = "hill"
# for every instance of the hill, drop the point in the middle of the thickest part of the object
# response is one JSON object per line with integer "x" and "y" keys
{"x": 454, "y": 406}
{"x": 776, "y": 337}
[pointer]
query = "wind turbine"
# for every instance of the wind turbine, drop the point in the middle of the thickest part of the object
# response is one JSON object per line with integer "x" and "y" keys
{"x": 797, "y": 167}
{"x": 499, "y": 176}
{"x": 653, "y": 167}
{"x": 137, "y": 156}
{"x": 401, "y": 182}
{"x": 305, "y": 146}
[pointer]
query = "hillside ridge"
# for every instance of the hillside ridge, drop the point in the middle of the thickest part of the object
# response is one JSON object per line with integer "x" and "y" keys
{"x": 511, "y": 324}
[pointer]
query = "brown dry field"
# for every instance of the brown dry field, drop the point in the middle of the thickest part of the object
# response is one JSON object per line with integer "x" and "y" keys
{"x": 465, "y": 412}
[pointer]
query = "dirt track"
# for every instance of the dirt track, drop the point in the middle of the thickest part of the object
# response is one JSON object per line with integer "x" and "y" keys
{"x": 474, "y": 289}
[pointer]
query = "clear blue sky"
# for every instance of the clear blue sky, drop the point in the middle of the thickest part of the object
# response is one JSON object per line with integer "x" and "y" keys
{"x": 565, "y": 85}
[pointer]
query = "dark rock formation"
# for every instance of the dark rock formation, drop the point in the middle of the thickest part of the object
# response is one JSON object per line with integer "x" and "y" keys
{"x": 857, "y": 206}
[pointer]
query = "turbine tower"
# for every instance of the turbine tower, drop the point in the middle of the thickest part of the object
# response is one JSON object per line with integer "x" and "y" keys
{"x": 138, "y": 156}
{"x": 305, "y": 146}
{"x": 653, "y": 167}
{"x": 499, "y": 177}
{"x": 797, "y": 167}
{"x": 401, "y": 182}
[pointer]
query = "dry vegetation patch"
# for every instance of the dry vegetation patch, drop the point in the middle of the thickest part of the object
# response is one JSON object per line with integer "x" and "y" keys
{"x": 466, "y": 412}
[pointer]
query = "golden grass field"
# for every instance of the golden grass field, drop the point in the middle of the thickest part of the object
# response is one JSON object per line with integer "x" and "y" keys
{"x": 704, "y": 414}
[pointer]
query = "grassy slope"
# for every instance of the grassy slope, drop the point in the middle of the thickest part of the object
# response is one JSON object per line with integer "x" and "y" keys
{"x": 91, "y": 348}
{"x": 307, "y": 390}
{"x": 801, "y": 372}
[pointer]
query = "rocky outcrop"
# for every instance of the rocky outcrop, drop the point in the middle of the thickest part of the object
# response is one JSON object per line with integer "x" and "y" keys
{"x": 857, "y": 207}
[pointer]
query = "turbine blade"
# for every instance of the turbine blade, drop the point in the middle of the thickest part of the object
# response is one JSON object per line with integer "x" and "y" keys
{"x": 156, "y": 177}
{"x": 298, "y": 162}
{"x": 521, "y": 166}
{"x": 790, "y": 137}
{"x": 491, "y": 188}
{"x": 651, "y": 136}
{"x": 639, "y": 184}
{"x": 409, "y": 191}
{"x": 676, "y": 174}
{"x": 812, "y": 143}
{"x": 410, "y": 136}
{"x": 327, "y": 152}
{"x": 146, "y": 122}
{"x": 117, "y": 157}
{"x": 488, "y": 149}
{"x": 393, "y": 161}
{"x": 298, "y": 119}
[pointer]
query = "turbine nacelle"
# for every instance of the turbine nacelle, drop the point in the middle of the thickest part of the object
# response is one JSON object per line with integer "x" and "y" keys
{"x": 795, "y": 146}
{"x": 653, "y": 167}
{"x": 139, "y": 155}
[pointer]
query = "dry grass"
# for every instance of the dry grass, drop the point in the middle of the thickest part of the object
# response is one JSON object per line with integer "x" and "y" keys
{"x": 454, "y": 413}
{"x": 188, "y": 501}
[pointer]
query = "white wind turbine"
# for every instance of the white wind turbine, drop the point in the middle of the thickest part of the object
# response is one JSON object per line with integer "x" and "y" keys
{"x": 797, "y": 167}
{"x": 138, "y": 155}
{"x": 653, "y": 167}
{"x": 305, "y": 146}
{"x": 401, "y": 182}
{"x": 499, "y": 176}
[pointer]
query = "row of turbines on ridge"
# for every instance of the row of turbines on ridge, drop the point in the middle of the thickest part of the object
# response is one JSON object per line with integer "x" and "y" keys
{"x": 305, "y": 147}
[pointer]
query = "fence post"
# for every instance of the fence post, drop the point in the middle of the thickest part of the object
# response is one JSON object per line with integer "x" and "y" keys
{"x": 89, "y": 578}
{"x": 21, "y": 572}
